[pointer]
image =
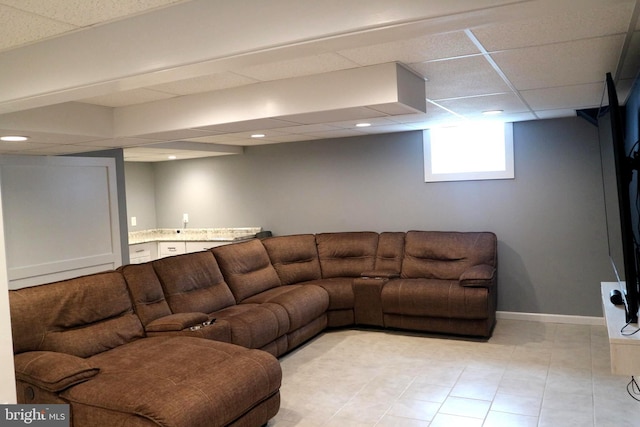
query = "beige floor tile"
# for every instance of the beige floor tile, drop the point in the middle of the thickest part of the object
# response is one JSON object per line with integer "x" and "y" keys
{"x": 527, "y": 374}
{"x": 502, "y": 419}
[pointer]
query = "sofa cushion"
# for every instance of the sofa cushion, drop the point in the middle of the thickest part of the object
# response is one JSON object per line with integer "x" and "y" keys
{"x": 246, "y": 268}
{"x": 255, "y": 325}
{"x": 177, "y": 381}
{"x": 82, "y": 316}
{"x": 295, "y": 258}
{"x": 435, "y": 298}
{"x": 340, "y": 290}
{"x": 193, "y": 283}
{"x": 446, "y": 255}
{"x": 303, "y": 303}
{"x": 346, "y": 254}
{"x": 146, "y": 292}
{"x": 390, "y": 252}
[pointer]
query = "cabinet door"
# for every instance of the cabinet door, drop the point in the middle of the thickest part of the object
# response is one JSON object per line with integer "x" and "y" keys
{"x": 199, "y": 246}
{"x": 171, "y": 248}
{"x": 143, "y": 252}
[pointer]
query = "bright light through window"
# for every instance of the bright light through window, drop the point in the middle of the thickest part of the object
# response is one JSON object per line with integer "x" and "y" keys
{"x": 470, "y": 152}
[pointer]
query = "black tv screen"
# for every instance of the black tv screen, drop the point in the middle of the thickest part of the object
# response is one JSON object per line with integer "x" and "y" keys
{"x": 623, "y": 239}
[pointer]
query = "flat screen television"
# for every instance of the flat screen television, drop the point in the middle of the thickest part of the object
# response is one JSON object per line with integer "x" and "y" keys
{"x": 626, "y": 161}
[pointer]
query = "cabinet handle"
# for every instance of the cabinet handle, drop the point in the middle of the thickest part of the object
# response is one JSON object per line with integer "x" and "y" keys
{"x": 171, "y": 248}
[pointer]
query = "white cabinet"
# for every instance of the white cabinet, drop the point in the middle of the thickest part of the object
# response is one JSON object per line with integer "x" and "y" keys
{"x": 171, "y": 248}
{"x": 142, "y": 252}
{"x": 624, "y": 349}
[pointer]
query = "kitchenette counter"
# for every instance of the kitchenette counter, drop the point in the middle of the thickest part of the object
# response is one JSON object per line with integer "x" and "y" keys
{"x": 193, "y": 235}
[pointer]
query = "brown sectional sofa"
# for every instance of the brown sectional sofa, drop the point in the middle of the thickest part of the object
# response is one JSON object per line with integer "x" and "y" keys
{"x": 175, "y": 341}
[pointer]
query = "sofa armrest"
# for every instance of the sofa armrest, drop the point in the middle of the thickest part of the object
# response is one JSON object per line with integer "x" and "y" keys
{"x": 481, "y": 275}
{"x": 52, "y": 371}
{"x": 380, "y": 274}
{"x": 176, "y": 322}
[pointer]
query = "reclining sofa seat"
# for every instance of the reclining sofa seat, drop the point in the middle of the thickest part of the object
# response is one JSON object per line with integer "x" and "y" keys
{"x": 79, "y": 342}
{"x": 328, "y": 260}
{"x": 429, "y": 281}
{"x": 197, "y": 301}
{"x": 253, "y": 280}
{"x": 448, "y": 284}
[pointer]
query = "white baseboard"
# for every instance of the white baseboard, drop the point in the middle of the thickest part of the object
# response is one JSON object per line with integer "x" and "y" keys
{"x": 551, "y": 318}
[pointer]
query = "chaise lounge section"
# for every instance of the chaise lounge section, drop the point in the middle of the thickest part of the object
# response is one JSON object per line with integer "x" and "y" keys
{"x": 80, "y": 342}
{"x": 177, "y": 341}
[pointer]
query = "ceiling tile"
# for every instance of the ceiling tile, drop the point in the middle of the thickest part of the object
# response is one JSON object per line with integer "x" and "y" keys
{"x": 338, "y": 133}
{"x": 331, "y": 116}
{"x": 561, "y": 64}
{"x": 304, "y": 129}
{"x": 20, "y": 27}
{"x": 207, "y": 83}
{"x": 631, "y": 63}
{"x": 351, "y": 124}
{"x": 86, "y": 12}
{"x": 297, "y": 67}
{"x": 175, "y": 135}
{"x": 467, "y": 76}
{"x": 127, "y": 97}
{"x": 247, "y": 125}
{"x": 57, "y": 150}
{"x": 49, "y": 137}
{"x": 579, "y": 96}
{"x": 474, "y": 106}
{"x": 214, "y": 139}
{"x": 587, "y": 20}
{"x": 120, "y": 142}
{"x": 13, "y": 147}
{"x": 408, "y": 51}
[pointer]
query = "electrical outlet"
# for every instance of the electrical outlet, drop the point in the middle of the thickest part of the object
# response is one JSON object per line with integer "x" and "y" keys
{"x": 134, "y": 221}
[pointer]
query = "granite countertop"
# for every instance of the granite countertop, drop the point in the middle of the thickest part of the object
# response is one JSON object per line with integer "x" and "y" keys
{"x": 193, "y": 235}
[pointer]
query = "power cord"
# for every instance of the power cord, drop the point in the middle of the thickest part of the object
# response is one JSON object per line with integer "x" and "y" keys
{"x": 634, "y": 389}
{"x": 628, "y": 334}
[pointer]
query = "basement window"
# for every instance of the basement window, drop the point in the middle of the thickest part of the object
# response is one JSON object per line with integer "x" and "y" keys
{"x": 476, "y": 151}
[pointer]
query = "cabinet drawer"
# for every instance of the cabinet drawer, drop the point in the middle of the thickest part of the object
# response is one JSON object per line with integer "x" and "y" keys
{"x": 140, "y": 256}
{"x": 171, "y": 248}
{"x": 199, "y": 246}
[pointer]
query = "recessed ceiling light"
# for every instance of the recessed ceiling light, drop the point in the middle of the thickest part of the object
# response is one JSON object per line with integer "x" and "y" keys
{"x": 363, "y": 125}
{"x": 172, "y": 157}
{"x": 13, "y": 138}
{"x": 258, "y": 135}
{"x": 492, "y": 112}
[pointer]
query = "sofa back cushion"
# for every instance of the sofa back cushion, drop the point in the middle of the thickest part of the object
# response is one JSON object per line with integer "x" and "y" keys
{"x": 146, "y": 292}
{"x": 295, "y": 258}
{"x": 247, "y": 268}
{"x": 346, "y": 254}
{"x": 82, "y": 316}
{"x": 445, "y": 255}
{"x": 193, "y": 283}
{"x": 390, "y": 252}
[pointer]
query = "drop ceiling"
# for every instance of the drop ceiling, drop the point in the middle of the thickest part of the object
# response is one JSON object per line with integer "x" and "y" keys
{"x": 198, "y": 78}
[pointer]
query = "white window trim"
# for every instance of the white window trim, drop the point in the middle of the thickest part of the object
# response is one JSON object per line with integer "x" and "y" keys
{"x": 508, "y": 173}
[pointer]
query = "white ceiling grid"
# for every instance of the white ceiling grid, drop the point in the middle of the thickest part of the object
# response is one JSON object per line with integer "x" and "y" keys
{"x": 531, "y": 59}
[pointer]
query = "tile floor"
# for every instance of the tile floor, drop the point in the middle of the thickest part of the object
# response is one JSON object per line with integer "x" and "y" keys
{"x": 527, "y": 374}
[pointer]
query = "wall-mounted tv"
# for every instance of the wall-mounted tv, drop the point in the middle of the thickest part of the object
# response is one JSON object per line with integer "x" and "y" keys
{"x": 624, "y": 248}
